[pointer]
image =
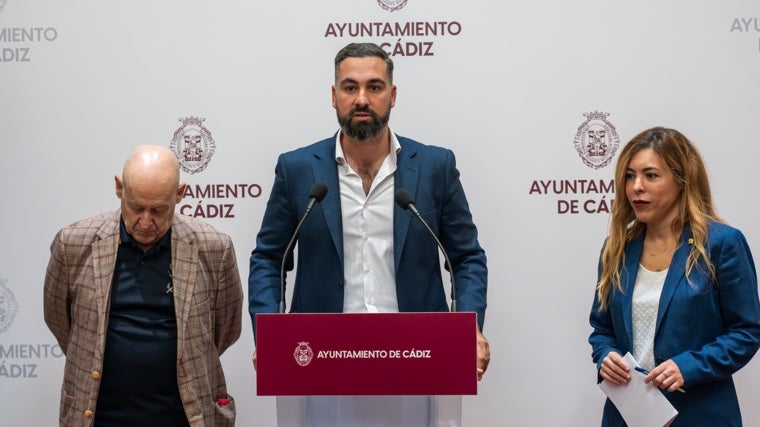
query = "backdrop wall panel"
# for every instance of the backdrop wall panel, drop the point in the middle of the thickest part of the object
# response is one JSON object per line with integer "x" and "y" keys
{"x": 505, "y": 85}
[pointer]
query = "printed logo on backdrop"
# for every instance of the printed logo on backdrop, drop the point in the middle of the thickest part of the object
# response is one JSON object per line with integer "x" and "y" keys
{"x": 16, "y": 43}
{"x": 8, "y": 305}
{"x": 392, "y": 5}
{"x": 194, "y": 147}
{"x": 747, "y": 25}
{"x": 596, "y": 141}
{"x": 398, "y": 38}
{"x": 19, "y": 361}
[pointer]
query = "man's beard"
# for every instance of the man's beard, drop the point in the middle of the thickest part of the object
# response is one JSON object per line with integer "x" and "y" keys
{"x": 363, "y": 131}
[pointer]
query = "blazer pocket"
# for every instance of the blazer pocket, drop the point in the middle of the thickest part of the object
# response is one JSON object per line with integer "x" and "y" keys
{"x": 225, "y": 411}
{"x": 430, "y": 218}
{"x": 68, "y": 406}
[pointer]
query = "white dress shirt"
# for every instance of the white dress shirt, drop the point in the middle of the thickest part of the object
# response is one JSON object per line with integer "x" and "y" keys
{"x": 368, "y": 236}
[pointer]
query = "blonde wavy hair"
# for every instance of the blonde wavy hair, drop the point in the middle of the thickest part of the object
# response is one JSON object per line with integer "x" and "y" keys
{"x": 695, "y": 205}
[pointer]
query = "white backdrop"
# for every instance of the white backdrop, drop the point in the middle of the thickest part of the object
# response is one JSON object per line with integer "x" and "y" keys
{"x": 506, "y": 87}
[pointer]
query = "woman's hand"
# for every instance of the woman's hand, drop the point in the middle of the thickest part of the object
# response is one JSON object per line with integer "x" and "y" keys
{"x": 614, "y": 369}
{"x": 667, "y": 376}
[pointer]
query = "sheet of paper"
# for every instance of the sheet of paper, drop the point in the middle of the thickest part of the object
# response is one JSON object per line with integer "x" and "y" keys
{"x": 640, "y": 404}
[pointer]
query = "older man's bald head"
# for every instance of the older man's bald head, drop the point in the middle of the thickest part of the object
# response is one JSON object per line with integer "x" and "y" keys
{"x": 149, "y": 189}
{"x": 154, "y": 163}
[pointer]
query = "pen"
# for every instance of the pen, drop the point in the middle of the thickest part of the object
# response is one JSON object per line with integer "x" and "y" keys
{"x": 645, "y": 372}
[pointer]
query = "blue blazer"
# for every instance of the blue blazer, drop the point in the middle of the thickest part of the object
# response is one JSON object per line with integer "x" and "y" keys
{"x": 709, "y": 328}
{"x": 430, "y": 176}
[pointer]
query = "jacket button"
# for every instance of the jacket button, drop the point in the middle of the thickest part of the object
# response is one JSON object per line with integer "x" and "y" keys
{"x": 88, "y": 413}
{"x": 96, "y": 375}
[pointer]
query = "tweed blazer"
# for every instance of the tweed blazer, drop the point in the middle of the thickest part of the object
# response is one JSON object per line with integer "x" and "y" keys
{"x": 430, "y": 176}
{"x": 710, "y": 328}
{"x": 208, "y": 305}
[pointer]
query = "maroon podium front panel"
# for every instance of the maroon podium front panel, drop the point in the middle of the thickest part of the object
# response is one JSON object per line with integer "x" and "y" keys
{"x": 366, "y": 354}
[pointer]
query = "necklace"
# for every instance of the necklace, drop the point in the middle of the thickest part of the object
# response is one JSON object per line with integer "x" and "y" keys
{"x": 654, "y": 254}
{"x": 667, "y": 248}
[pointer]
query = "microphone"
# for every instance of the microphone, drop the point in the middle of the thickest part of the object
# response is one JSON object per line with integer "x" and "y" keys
{"x": 316, "y": 194}
{"x": 405, "y": 201}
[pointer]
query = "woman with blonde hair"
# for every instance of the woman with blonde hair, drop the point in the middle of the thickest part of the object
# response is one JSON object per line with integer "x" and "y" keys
{"x": 677, "y": 287}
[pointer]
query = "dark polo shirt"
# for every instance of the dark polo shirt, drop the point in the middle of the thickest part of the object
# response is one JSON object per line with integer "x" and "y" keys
{"x": 139, "y": 380}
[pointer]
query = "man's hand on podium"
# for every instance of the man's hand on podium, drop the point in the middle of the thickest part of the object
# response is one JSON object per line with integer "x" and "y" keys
{"x": 484, "y": 353}
{"x": 253, "y": 359}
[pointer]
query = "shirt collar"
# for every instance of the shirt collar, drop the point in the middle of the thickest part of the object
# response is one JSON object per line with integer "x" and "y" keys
{"x": 341, "y": 159}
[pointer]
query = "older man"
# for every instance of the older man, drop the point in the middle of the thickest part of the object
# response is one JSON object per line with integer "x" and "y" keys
{"x": 143, "y": 302}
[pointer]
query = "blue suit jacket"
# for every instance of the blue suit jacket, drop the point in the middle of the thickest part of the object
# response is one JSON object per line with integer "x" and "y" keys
{"x": 430, "y": 176}
{"x": 710, "y": 329}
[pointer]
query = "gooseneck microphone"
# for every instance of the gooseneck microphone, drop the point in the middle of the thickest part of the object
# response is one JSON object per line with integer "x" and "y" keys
{"x": 316, "y": 194}
{"x": 404, "y": 199}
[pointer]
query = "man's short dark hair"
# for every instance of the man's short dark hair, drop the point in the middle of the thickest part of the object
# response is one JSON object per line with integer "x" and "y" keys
{"x": 363, "y": 50}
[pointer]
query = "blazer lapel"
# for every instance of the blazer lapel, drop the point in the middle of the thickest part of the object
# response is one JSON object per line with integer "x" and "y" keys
{"x": 676, "y": 274}
{"x": 406, "y": 177}
{"x": 184, "y": 262}
{"x": 103, "y": 263}
{"x": 324, "y": 168}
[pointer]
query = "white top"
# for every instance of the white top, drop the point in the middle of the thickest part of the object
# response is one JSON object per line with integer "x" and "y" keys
{"x": 646, "y": 301}
{"x": 368, "y": 236}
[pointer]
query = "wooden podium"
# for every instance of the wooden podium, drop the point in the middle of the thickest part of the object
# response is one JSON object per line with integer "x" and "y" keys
{"x": 366, "y": 354}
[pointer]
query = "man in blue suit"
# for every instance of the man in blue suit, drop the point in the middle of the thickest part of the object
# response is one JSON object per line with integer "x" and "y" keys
{"x": 357, "y": 250}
